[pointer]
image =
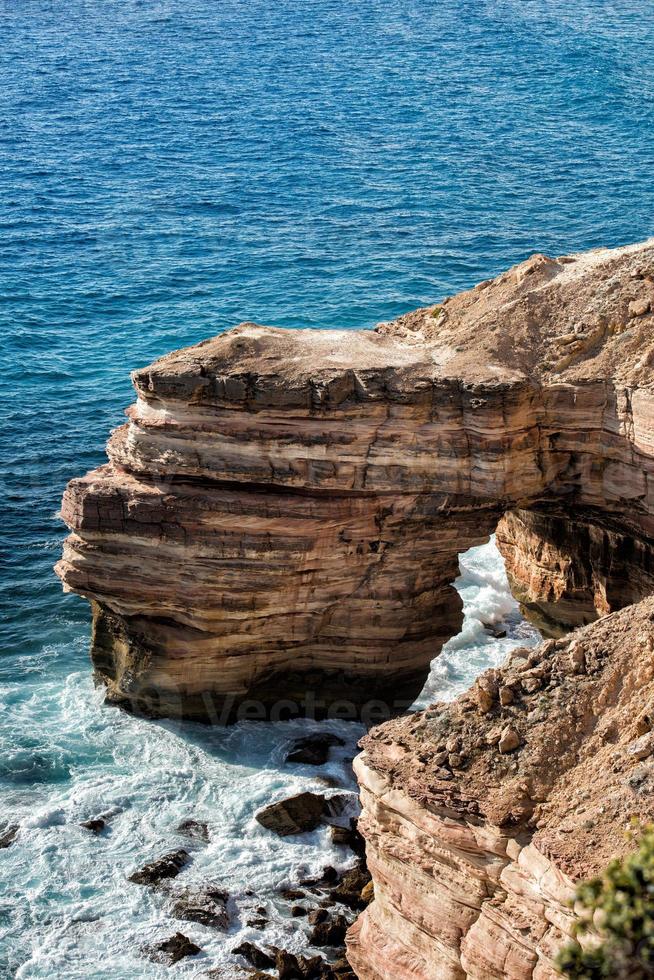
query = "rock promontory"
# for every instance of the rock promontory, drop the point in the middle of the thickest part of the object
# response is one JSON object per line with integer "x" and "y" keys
{"x": 278, "y": 526}
{"x": 481, "y": 816}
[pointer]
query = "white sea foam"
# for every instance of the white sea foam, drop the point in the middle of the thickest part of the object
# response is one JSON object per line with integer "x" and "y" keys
{"x": 68, "y": 910}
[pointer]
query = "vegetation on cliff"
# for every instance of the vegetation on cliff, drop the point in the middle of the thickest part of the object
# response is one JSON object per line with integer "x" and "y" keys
{"x": 617, "y": 907}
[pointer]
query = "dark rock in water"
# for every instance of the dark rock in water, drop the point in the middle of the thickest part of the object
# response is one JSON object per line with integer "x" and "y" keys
{"x": 172, "y": 950}
{"x": 168, "y": 866}
{"x": 318, "y": 915}
{"x": 329, "y": 933}
{"x": 350, "y": 887}
{"x": 195, "y": 829}
{"x": 349, "y": 837}
{"x": 314, "y": 749}
{"x": 297, "y": 911}
{"x": 342, "y": 970}
{"x": 293, "y": 816}
{"x": 291, "y": 967}
{"x": 292, "y": 894}
{"x": 256, "y": 923}
{"x": 96, "y": 826}
{"x": 329, "y": 874}
{"x": 254, "y": 955}
{"x": 340, "y": 807}
{"x": 207, "y": 906}
{"x": 497, "y": 631}
{"x": 8, "y": 835}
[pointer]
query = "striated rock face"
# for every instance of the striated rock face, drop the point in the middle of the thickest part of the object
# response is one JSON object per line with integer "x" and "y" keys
{"x": 479, "y": 816}
{"x": 567, "y": 571}
{"x": 278, "y": 527}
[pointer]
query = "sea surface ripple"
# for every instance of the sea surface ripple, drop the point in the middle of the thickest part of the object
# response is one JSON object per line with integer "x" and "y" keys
{"x": 168, "y": 169}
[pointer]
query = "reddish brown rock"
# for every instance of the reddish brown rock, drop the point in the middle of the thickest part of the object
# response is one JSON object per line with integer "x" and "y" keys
{"x": 278, "y": 527}
{"x": 472, "y": 875}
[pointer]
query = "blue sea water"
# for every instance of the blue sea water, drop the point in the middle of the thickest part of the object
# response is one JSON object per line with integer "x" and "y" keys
{"x": 168, "y": 169}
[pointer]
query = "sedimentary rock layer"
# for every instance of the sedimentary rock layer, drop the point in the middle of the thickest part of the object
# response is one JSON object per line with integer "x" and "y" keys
{"x": 569, "y": 571}
{"x": 282, "y": 515}
{"x": 479, "y": 816}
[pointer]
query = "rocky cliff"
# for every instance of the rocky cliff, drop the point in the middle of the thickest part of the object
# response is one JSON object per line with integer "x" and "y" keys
{"x": 277, "y": 529}
{"x": 480, "y": 815}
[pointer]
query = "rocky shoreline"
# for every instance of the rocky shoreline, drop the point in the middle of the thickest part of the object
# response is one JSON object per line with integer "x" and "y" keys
{"x": 277, "y": 533}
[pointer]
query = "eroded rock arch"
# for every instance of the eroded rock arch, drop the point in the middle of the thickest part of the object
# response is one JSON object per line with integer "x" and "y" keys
{"x": 282, "y": 515}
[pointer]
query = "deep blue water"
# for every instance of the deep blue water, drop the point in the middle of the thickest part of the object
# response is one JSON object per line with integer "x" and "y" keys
{"x": 168, "y": 169}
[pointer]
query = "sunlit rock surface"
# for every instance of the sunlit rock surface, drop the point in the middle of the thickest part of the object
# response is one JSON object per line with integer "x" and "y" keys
{"x": 480, "y": 815}
{"x": 281, "y": 517}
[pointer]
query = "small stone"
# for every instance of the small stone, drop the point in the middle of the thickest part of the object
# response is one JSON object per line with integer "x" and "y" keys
{"x": 509, "y": 741}
{"x": 455, "y": 760}
{"x": 577, "y": 659}
{"x": 485, "y": 699}
{"x": 368, "y": 893}
{"x": 644, "y": 724}
{"x": 349, "y": 889}
{"x": 453, "y": 743}
{"x": 530, "y": 684}
{"x": 640, "y": 306}
{"x": 440, "y": 758}
{"x": 643, "y": 747}
{"x": 507, "y": 696}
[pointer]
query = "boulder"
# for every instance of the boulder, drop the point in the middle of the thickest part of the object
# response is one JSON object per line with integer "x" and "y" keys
{"x": 331, "y": 932}
{"x": 172, "y": 950}
{"x": 295, "y": 815}
{"x": 255, "y": 955}
{"x": 168, "y": 866}
{"x": 206, "y": 906}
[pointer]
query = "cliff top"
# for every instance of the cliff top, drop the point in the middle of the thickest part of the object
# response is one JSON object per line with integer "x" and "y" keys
{"x": 557, "y": 742}
{"x": 578, "y": 317}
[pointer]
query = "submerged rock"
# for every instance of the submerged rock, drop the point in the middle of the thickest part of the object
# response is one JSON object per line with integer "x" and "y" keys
{"x": 207, "y": 906}
{"x": 195, "y": 829}
{"x": 96, "y": 826}
{"x": 8, "y": 835}
{"x": 168, "y": 866}
{"x": 313, "y": 750}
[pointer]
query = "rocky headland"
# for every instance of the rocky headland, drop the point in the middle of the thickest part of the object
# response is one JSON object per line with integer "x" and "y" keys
{"x": 277, "y": 532}
{"x": 281, "y": 517}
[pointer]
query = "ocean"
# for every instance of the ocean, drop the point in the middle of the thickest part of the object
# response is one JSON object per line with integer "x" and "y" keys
{"x": 167, "y": 170}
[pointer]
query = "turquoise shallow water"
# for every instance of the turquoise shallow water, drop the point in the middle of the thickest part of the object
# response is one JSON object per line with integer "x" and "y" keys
{"x": 168, "y": 169}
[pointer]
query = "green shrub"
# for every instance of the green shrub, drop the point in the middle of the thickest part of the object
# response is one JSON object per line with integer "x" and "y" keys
{"x": 616, "y": 913}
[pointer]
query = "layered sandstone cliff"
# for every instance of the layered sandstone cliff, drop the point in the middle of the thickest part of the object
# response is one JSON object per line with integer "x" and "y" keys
{"x": 281, "y": 517}
{"x": 480, "y": 815}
